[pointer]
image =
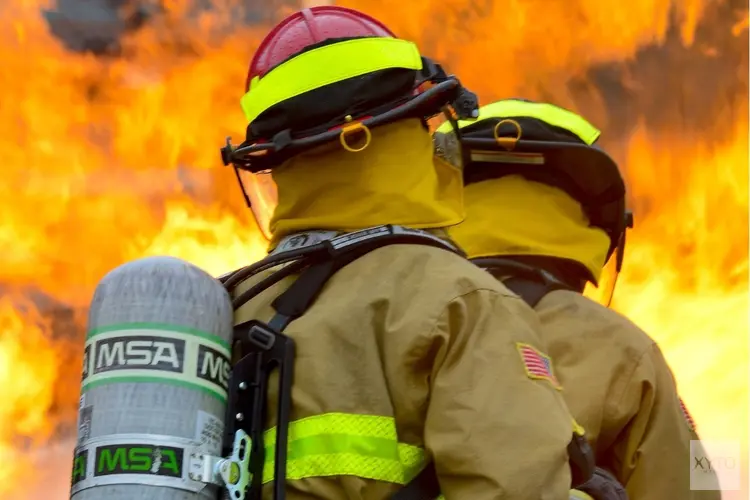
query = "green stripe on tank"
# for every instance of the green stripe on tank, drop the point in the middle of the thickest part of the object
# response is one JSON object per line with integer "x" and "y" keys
{"x": 156, "y": 380}
{"x": 164, "y": 327}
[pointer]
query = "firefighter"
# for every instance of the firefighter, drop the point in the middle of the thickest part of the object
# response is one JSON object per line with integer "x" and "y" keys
{"x": 545, "y": 214}
{"x": 408, "y": 357}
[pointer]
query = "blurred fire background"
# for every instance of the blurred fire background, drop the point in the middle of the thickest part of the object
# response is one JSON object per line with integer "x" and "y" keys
{"x": 113, "y": 112}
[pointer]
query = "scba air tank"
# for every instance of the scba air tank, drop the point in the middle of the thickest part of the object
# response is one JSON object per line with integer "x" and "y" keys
{"x": 155, "y": 376}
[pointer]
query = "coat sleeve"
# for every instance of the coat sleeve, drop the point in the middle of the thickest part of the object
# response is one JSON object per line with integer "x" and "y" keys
{"x": 492, "y": 430}
{"x": 652, "y": 456}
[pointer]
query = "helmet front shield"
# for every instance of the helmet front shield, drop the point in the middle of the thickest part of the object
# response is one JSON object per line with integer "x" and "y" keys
{"x": 604, "y": 292}
{"x": 261, "y": 195}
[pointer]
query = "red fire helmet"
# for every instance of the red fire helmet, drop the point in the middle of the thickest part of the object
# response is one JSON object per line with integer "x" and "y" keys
{"x": 308, "y": 27}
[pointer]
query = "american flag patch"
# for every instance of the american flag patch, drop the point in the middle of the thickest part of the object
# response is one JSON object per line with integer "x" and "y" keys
{"x": 686, "y": 414}
{"x": 538, "y": 366}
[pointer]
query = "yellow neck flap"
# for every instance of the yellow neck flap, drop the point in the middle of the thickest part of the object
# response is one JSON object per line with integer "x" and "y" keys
{"x": 514, "y": 216}
{"x": 395, "y": 180}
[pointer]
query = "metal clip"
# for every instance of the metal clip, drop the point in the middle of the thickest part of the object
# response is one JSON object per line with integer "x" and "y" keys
{"x": 232, "y": 473}
{"x": 352, "y": 128}
{"x": 507, "y": 142}
{"x": 235, "y": 471}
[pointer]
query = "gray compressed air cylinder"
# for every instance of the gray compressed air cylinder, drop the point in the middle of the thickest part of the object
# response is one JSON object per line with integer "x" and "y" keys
{"x": 154, "y": 386}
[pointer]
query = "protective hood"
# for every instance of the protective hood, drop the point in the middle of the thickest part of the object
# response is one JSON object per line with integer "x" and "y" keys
{"x": 514, "y": 216}
{"x": 395, "y": 180}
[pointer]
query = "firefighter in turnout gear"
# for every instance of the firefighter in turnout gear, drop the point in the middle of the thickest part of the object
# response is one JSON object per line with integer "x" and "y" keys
{"x": 545, "y": 214}
{"x": 406, "y": 358}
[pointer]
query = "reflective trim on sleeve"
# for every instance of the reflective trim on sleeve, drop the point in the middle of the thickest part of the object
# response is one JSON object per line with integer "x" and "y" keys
{"x": 548, "y": 113}
{"x": 326, "y": 65}
{"x": 342, "y": 444}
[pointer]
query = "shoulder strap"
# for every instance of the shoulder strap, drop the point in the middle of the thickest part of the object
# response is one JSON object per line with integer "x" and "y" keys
{"x": 529, "y": 283}
{"x": 317, "y": 245}
{"x": 347, "y": 248}
{"x": 530, "y": 291}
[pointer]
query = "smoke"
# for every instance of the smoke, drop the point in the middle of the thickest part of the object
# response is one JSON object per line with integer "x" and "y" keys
{"x": 693, "y": 89}
{"x": 98, "y": 26}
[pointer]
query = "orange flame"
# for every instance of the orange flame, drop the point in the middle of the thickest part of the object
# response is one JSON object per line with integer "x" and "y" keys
{"x": 28, "y": 368}
{"x": 110, "y": 158}
{"x": 685, "y": 278}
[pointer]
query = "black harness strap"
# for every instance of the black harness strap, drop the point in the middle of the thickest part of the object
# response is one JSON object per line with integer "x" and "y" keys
{"x": 528, "y": 282}
{"x": 530, "y": 291}
{"x": 298, "y": 298}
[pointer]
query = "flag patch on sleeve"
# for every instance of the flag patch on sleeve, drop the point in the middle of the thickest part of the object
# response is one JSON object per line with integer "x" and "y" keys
{"x": 688, "y": 418}
{"x": 538, "y": 366}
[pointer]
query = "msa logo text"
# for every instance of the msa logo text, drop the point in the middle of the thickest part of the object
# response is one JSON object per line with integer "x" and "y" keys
{"x": 213, "y": 366}
{"x": 139, "y": 459}
{"x": 139, "y": 352}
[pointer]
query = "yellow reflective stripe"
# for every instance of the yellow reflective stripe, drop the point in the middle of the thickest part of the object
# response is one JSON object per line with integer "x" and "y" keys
{"x": 325, "y": 65}
{"x": 548, "y": 113}
{"x": 336, "y": 444}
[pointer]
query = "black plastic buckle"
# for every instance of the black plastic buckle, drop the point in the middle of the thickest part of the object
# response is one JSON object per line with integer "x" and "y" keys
{"x": 263, "y": 350}
{"x": 432, "y": 71}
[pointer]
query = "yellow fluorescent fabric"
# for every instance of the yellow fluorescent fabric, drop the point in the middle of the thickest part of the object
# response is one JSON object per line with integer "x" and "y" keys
{"x": 548, "y": 113}
{"x": 325, "y": 65}
{"x": 337, "y": 444}
{"x": 396, "y": 180}
{"x": 514, "y": 216}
